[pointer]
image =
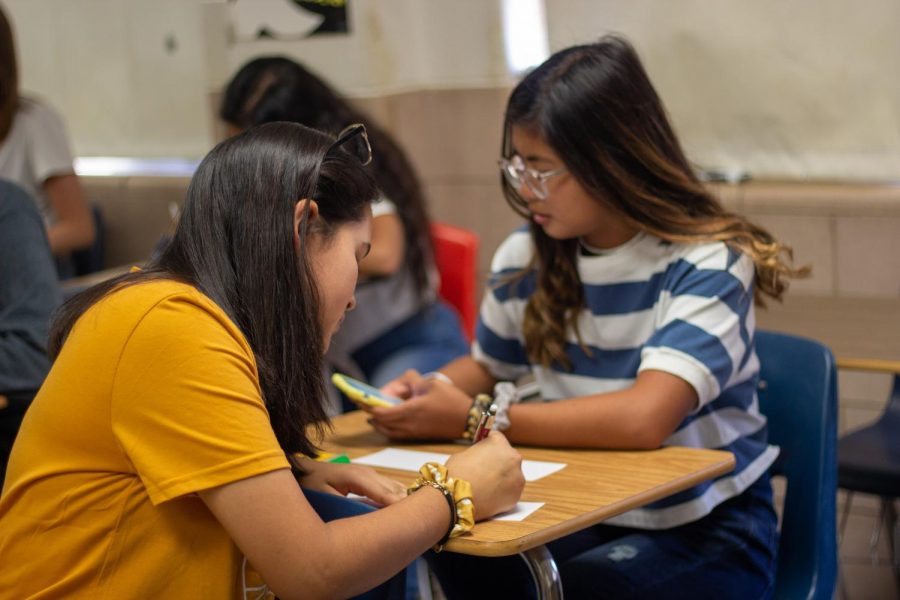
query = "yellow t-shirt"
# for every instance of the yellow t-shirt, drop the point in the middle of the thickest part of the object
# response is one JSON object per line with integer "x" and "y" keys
{"x": 154, "y": 396}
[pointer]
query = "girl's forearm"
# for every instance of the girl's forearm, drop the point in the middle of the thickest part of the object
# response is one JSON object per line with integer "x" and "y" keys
{"x": 299, "y": 556}
{"x": 469, "y": 376}
{"x": 639, "y": 417}
{"x": 361, "y": 558}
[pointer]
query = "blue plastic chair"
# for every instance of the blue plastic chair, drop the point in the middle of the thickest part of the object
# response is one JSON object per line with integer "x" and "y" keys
{"x": 798, "y": 395}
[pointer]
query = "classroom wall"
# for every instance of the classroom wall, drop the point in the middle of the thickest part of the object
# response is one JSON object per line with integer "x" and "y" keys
{"x": 806, "y": 89}
{"x": 136, "y": 77}
{"x": 803, "y": 89}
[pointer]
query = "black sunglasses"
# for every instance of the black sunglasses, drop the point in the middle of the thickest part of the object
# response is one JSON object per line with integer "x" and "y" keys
{"x": 354, "y": 140}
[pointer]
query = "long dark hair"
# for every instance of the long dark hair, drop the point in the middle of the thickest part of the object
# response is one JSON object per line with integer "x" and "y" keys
{"x": 235, "y": 243}
{"x": 9, "y": 77}
{"x": 595, "y": 106}
{"x": 275, "y": 88}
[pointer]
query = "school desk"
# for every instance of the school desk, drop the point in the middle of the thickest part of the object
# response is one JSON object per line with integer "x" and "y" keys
{"x": 594, "y": 486}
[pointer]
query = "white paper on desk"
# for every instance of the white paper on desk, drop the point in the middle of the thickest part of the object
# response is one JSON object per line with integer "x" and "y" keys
{"x": 536, "y": 469}
{"x": 405, "y": 460}
{"x": 411, "y": 460}
{"x": 521, "y": 512}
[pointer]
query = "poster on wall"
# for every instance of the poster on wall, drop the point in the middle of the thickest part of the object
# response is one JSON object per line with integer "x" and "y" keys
{"x": 287, "y": 20}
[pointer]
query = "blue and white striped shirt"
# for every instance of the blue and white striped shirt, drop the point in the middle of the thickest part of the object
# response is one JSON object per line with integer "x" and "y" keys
{"x": 686, "y": 309}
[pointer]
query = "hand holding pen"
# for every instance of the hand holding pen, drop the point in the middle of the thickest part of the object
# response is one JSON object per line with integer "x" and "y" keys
{"x": 481, "y": 418}
{"x": 485, "y": 424}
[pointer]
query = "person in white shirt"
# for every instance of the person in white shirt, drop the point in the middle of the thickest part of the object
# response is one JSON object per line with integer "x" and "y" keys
{"x": 35, "y": 153}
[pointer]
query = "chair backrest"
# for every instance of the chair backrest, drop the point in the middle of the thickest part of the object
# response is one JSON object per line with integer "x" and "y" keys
{"x": 456, "y": 257}
{"x": 798, "y": 395}
{"x": 893, "y": 408}
{"x": 90, "y": 260}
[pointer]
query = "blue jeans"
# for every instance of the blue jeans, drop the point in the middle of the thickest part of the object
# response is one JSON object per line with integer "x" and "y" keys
{"x": 330, "y": 508}
{"x": 730, "y": 553}
{"x": 426, "y": 341}
{"x": 10, "y": 421}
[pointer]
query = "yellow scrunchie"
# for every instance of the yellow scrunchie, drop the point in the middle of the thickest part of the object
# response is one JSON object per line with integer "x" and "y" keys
{"x": 460, "y": 489}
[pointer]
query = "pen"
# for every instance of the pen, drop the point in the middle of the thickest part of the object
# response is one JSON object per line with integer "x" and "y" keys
{"x": 485, "y": 424}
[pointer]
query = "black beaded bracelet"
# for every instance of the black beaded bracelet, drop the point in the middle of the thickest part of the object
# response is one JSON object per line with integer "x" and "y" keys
{"x": 450, "y": 502}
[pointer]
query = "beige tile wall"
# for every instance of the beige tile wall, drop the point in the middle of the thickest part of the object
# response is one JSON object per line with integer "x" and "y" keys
{"x": 452, "y": 137}
{"x": 849, "y": 233}
{"x": 136, "y": 211}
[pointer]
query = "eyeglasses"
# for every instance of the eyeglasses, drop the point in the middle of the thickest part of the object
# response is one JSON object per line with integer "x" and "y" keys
{"x": 354, "y": 140}
{"x": 517, "y": 173}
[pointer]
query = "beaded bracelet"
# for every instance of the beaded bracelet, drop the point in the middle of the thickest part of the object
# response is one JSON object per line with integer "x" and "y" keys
{"x": 458, "y": 493}
{"x": 480, "y": 405}
{"x": 419, "y": 484}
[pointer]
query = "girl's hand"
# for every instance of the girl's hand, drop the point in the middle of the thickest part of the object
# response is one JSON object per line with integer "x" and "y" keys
{"x": 439, "y": 413}
{"x": 343, "y": 479}
{"x": 494, "y": 468}
{"x": 405, "y": 386}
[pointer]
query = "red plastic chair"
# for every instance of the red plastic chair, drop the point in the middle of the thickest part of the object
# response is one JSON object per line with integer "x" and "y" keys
{"x": 456, "y": 257}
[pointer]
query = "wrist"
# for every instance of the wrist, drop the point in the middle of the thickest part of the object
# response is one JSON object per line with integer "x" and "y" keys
{"x": 456, "y": 492}
{"x": 438, "y": 376}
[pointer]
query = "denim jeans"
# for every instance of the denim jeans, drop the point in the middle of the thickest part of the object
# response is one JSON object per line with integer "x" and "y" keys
{"x": 331, "y": 507}
{"x": 426, "y": 341}
{"x": 10, "y": 421}
{"x": 730, "y": 553}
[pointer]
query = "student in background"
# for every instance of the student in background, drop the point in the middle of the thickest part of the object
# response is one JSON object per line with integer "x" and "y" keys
{"x": 400, "y": 323}
{"x": 28, "y": 295}
{"x": 35, "y": 153}
{"x": 630, "y": 298}
{"x": 164, "y": 444}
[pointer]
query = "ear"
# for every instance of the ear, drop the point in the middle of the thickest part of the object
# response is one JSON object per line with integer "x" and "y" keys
{"x": 300, "y": 212}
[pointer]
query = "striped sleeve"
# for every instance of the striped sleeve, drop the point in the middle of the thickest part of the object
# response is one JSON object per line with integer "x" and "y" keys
{"x": 702, "y": 335}
{"x": 499, "y": 344}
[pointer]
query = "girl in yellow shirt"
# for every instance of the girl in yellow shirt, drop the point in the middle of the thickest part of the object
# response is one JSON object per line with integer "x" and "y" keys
{"x": 167, "y": 442}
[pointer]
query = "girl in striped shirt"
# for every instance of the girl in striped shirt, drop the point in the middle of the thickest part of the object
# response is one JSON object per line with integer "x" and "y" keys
{"x": 629, "y": 298}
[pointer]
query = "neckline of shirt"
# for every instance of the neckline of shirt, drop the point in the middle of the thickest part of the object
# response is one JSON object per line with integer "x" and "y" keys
{"x": 591, "y": 251}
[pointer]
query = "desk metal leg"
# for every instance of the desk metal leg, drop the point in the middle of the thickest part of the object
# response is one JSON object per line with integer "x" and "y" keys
{"x": 543, "y": 570}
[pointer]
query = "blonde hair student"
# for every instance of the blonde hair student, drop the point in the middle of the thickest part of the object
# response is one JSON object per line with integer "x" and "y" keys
{"x": 165, "y": 453}
{"x": 629, "y": 297}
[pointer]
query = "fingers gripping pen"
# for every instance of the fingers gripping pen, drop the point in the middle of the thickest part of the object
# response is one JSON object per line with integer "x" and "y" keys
{"x": 485, "y": 424}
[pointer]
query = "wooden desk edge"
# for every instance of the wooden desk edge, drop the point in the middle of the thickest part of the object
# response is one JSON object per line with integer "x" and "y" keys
{"x": 875, "y": 365}
{"x": 473, "y": 547}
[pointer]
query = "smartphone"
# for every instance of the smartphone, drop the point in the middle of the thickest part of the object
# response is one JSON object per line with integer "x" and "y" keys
{"x": 362, "y": 393}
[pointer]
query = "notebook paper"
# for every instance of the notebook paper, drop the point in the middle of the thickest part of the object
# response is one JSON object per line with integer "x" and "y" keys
{"x": 411, "y": 460}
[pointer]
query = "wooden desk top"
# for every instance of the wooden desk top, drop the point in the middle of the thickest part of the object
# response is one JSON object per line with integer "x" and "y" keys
{"x": 863, "y": 333}
{"x": 596, "y": 484}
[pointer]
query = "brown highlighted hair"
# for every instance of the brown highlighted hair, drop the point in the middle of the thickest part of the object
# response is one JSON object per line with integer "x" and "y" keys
{"x": 595, "y": 106}
{"x": 9, "y": 77}
{"x": 235, "y": 243}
